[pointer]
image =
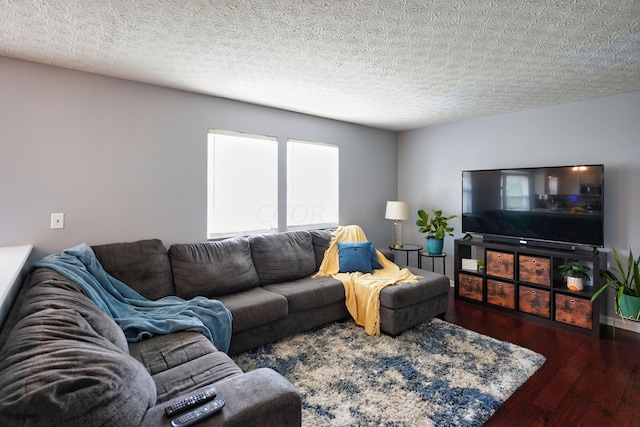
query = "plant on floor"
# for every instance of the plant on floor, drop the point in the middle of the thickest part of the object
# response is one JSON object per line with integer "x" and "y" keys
{"x": 626, "y": 283}
{"x": 575, "y": 273}
{"x": 435, "y": 228}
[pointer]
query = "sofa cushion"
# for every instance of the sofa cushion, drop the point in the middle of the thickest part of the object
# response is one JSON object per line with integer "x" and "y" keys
{"x": 407, "y": 294}
{"x": 321, "y": 240}
{"x": 48, "y": 289}
{"x": 56, "y": 370}
{"x": 254, "y": 307}
{"x": 261, "y": 397}
{"x": 143, "y": 265}
{"x": 281, "y": 257}
{"x": 195, "y": 374}
{"x": 309, "y": 293}
{"x": 212, "y": 268}
{"x": 162, "y": 352}
{"x": 182, "y": 362}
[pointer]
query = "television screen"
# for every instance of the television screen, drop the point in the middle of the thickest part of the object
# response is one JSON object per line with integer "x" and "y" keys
{"x": 547, "y": 204}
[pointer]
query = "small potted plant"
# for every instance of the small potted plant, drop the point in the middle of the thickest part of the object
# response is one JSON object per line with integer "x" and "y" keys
{"x": 435, "y": 229}
{"x": 627, "y": 286}
{"x": 575, "y": 273}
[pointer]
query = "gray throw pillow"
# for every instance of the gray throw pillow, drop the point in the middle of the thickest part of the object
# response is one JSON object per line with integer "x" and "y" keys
{"x": 212, "y": 268}
{"x": 321, "y": 240}
{"x": 143, "y": 265}
{"x": 282, "y": 257}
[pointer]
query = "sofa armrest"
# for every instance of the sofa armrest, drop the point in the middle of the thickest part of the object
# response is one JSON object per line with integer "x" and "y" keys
{"x": 261, "y": 397}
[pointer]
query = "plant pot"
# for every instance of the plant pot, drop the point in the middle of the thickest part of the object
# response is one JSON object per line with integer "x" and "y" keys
{"x": 575, "y": 283}
{"x": 434, "y": 246}
{"x": 629, "y": 307}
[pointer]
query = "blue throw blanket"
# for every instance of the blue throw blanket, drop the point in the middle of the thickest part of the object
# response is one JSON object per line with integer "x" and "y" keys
{"x": 138, "y": 316}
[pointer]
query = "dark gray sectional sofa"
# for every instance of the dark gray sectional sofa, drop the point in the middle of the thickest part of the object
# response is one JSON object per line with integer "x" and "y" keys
{"x": 65, "y": 362}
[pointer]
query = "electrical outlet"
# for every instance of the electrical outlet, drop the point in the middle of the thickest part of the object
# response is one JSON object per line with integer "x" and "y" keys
{"x": 57, "y": 220}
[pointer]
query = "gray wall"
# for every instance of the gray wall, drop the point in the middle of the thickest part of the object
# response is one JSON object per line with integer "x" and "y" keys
{"x": 603, "y": 130}
{"x": 127, "y": 161}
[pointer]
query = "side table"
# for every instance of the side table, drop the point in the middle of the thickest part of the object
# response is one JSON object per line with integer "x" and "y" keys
{"x": 441, "y": 256}
{"x": 406, "y": 248}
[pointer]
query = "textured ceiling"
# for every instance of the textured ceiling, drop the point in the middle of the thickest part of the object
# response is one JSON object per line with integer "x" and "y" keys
{"x": 389, "y": 64}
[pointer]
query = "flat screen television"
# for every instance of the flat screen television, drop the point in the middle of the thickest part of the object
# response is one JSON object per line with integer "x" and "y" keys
{"x": 556, "y": 206}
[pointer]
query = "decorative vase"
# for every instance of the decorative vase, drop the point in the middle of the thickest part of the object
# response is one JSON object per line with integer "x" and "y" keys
{"x": 629, "y": 307}
{"x": 575, "y": 283}
{"x": 434, "y": 246}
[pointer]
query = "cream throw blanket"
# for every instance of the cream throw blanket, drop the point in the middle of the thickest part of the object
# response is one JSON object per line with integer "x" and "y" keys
{"x": 362, "y": 289}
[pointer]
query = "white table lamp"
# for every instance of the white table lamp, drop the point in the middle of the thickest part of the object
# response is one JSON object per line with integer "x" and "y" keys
{"x": 398, "y": 212}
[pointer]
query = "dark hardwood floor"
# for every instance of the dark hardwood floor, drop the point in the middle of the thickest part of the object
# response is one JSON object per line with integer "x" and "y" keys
{"x": 585, "y": 382}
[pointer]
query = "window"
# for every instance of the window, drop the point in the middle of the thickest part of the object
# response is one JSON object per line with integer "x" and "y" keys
{"x": 242, "y": 184}
{"x": 553, "y": 185}
{"x": 516, "y": 192}
{"x": 312, "y": 184}
{"x": 467, "y": 192}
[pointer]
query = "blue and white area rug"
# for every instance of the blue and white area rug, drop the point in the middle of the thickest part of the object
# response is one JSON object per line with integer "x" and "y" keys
{"x": 436, "y": 374}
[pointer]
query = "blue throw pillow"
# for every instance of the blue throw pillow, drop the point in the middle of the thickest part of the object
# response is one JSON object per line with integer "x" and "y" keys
{"x": 374, "y": 259}
{"x": 355, "y": 256}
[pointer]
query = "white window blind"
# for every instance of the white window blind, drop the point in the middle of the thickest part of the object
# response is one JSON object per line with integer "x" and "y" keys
{"x": 242, "y": 184}
{"x": 312, "y": 184}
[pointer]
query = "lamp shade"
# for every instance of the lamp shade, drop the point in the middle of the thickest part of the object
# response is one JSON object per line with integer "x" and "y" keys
{"x": 397, "y": 210}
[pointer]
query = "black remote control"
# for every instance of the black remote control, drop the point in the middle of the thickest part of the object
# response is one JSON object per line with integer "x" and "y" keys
{"x": 198, "y": 413}
{"x": 191, "y": 401}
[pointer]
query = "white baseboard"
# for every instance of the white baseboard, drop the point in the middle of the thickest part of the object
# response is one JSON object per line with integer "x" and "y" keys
{"x": 628, "y": 325}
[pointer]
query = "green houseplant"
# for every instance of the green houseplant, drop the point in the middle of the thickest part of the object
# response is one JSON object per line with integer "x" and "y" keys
{"x": 575, "y": 273}
{"x": 626, "y": 283}
{"x": 435, "y": 228}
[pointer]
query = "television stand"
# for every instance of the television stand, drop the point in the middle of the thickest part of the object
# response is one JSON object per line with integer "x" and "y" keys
{"x": 525, "y": 280}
